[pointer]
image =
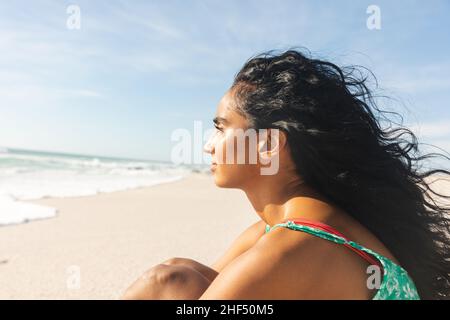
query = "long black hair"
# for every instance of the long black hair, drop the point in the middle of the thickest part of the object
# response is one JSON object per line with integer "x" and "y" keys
{"x": 335, "y": 134}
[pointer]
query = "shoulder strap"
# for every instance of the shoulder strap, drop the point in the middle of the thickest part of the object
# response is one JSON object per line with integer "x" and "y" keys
{"x": 324, "y": 228}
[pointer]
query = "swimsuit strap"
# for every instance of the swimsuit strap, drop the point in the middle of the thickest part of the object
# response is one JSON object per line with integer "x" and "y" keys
{"x": 328, "y": 230}
{"x": 396, "y": 283}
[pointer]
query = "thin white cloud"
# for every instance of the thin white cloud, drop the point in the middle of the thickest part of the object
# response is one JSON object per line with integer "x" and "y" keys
{"x": 443, "y": 144}
{"x": 83, "y": 93}
{"x": 433, "y": 134}
{"x": 436, "y": 129}
{"x": 420, "y": 78}
{"x": 27, "y": 96}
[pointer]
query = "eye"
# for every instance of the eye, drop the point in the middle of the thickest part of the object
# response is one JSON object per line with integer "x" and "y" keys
{"x": 218, "y": 128}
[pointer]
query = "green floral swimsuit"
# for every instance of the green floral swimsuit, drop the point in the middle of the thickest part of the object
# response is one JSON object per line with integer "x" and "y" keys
{"x": 396, "y": 283}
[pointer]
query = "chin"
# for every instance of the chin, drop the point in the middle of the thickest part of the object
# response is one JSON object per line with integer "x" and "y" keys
{"x": 221, "y": 183}
{"x": 229, "y": 182}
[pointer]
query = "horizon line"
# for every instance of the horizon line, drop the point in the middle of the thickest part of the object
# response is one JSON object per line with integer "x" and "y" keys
{"x": 70, "y": 153}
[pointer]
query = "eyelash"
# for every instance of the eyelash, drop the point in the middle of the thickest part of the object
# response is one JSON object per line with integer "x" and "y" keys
{"x": 218, "y": 128}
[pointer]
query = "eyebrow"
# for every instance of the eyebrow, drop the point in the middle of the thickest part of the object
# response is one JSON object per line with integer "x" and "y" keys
{"x": 218, "y": 120}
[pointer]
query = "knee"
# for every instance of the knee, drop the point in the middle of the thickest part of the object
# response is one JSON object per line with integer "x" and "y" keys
{"x": 176, "y": 261}
{"x": 163, "y": 274}
{"x": 153, "y": 282}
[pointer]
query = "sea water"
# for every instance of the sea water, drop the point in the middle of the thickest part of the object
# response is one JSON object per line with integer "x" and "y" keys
{"x": 29, "y": 175}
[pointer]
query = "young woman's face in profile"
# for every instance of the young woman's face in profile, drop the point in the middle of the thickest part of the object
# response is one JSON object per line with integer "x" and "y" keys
{"x": 225, "y": 150}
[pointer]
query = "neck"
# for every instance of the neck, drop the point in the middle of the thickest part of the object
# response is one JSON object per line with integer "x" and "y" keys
{"x": 276, "y": 202}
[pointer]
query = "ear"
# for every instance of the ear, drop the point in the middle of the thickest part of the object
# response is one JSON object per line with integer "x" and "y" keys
{"x": 271, "y": 142}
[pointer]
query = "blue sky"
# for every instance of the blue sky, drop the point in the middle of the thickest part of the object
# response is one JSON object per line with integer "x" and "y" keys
{"x": 137, "y": 70}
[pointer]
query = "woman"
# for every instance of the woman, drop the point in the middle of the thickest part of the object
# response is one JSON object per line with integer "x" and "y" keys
{"x": 346, "y": 215}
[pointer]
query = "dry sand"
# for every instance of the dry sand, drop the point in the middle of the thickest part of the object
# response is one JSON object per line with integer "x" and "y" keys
{"x": 110, "y": 239}
{"x": 98, "y": 245}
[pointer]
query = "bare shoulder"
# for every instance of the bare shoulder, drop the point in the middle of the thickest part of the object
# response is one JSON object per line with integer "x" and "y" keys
{"x": 273, "y": 268}
{"x": 317, "y": 268}
{"x": 257, "y": 228}
{"x": 286, "y": 264}
{"x": 241, "y": 244}
{"x": 251, "y": 234}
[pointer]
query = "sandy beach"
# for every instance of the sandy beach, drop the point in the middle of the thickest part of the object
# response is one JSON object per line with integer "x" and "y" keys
{"x": 97, "y": 245}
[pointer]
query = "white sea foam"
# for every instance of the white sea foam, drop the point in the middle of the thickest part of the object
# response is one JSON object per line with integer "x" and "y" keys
{"x": 34, "y": 175}
{"x": 13, "y": 211}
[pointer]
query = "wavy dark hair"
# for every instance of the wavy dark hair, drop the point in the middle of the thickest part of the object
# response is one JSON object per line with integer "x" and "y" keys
{"x": 334, "y": 131}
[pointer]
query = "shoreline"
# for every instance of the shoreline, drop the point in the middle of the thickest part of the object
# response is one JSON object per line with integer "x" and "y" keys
{"x": 47, "y": 212}
{"x": 98, "y": 245}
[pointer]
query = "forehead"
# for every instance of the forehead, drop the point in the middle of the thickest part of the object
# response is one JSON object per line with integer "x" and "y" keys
{"x": 225, "y": 104}
{"x": 226, "y": 110}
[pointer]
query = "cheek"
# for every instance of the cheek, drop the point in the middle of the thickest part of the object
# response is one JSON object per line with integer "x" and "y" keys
{"x": 223, "y": 143}
{"x": 231, "y": 152}
{"x": 229, "y": 172}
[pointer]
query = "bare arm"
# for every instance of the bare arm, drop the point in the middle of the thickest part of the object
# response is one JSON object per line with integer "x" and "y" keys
{"x": 241, "y": 244}
{"x": 189, "y": 277}
{"x": 259, "y": 273}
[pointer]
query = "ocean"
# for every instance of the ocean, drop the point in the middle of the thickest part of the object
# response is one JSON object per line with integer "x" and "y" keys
{"x": 29, "y": 175}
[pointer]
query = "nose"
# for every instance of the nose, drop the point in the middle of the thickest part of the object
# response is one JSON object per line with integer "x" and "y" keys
{"x": 209, "y": 145}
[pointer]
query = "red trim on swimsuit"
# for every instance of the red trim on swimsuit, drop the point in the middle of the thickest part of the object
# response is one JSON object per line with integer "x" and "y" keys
{"x": 329, "y": 229}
